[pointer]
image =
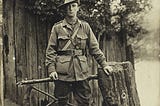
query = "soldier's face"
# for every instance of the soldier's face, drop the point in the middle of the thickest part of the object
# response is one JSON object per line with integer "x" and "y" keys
{"x": 72, "y": 9}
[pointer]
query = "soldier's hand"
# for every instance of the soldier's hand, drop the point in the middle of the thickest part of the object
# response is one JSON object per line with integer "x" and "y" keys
{"x": 108, "y": 69}
{"x": 54, "y": 76}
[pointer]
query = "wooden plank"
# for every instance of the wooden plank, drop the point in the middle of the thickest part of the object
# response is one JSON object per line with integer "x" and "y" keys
{"x": 31, "y": 51}
{"x": 20, "y": 41}
{"x": 1, "y": 74}
{"x": 113, "y": 47}
{"x": 9, "y": 50}
{"x": 41, "y": 48}
{"x": 40, "y": 34}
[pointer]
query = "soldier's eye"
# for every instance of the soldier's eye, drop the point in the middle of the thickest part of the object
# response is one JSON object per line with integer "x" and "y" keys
{"x": 74, "y": 5}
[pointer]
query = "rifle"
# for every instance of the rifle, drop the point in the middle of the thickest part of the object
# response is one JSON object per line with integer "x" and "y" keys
{"x": 34, "y": 81}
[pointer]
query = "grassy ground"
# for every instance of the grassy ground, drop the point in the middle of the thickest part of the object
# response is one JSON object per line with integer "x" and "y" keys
{"x": 9, "y": 103}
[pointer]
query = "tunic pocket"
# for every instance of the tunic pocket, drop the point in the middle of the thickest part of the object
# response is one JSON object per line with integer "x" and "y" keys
{"x": 62, "y": 40}
{"x": 63, "y": 64}
{"x": 84, "y": 64}
{"x": 82, "y": 39}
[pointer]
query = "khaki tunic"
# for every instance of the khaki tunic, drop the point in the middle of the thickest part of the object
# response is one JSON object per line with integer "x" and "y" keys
{"x": 68, "y": 67}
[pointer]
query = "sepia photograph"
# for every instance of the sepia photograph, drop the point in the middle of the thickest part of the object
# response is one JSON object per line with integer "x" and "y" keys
{"x": 79, "y": 53}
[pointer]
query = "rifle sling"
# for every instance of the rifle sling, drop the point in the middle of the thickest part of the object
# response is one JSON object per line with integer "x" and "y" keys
{"x": 69, "y": 41}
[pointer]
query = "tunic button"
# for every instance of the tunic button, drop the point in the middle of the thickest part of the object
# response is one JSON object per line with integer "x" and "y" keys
{"x": 77, "y": 47}
{"x": 78, "y": 41}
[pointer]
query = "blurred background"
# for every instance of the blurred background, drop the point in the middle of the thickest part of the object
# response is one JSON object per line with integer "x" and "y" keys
{"x": 147, "y": 59}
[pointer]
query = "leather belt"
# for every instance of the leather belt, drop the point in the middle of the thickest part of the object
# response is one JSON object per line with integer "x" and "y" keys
{"x": 71, "y": 52}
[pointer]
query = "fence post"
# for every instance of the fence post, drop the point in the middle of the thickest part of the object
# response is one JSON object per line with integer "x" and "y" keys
{"x": 1, "y": 75}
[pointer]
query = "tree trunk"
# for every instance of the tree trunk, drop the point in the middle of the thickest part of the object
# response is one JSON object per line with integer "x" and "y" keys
{"x": 119, "y": 89}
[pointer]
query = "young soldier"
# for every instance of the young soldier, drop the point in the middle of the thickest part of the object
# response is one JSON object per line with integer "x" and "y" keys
{"x": 65, "y": 56}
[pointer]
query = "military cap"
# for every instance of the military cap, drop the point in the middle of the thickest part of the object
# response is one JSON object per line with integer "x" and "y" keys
{"x": 66, "y": 2}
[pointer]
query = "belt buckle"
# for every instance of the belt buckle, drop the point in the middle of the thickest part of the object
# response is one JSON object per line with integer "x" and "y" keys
{"x": 77, "y": 52}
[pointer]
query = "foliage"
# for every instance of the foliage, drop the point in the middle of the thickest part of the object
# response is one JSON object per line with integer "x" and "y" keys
{"x": 103, "y": 15}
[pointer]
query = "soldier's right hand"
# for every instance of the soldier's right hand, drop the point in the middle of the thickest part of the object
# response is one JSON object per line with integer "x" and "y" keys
{"x": 54, "y": 76}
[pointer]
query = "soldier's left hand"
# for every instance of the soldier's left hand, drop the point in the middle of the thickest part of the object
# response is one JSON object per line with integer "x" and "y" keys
{"x": 108, "y": 69}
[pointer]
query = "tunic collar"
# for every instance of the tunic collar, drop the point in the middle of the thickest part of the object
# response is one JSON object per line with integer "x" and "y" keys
{"x": 65, "y": 24}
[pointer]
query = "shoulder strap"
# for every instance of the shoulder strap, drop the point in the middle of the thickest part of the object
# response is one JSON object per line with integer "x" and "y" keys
{"x": 69, "y": 41}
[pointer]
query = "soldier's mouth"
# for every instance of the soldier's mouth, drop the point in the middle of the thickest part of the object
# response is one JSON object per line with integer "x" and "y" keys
{"x": 70, "y": 12}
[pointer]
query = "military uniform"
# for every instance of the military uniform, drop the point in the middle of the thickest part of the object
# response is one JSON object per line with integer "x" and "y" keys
{"x": 71, "y": 64}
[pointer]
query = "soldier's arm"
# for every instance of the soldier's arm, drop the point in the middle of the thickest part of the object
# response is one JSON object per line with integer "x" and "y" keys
{"x": 94, "y": 48}
{"x": 96, "y": 52}
{"x": 51, "y": 51}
